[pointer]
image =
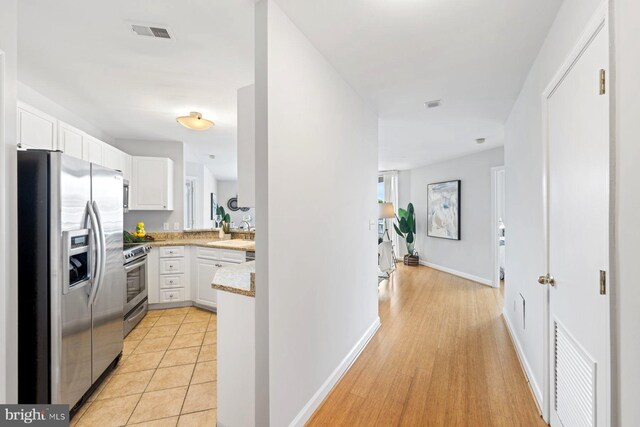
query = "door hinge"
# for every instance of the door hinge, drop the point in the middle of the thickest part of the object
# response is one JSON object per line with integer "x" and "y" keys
{"x": 603, "y": 282}
{"x": 603, "y": 82}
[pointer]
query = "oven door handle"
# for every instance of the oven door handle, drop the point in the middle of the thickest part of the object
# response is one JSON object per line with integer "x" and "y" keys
{"x": 128, "y": 268}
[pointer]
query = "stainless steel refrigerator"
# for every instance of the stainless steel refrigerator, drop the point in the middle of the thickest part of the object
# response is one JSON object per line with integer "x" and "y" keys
{"x": 71, "y": 276}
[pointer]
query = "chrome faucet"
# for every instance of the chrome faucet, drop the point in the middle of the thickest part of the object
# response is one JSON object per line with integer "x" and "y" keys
{"x": 248, "y": 225}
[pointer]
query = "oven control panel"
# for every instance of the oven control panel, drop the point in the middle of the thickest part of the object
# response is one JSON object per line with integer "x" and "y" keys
{"x": 135, "y": 252}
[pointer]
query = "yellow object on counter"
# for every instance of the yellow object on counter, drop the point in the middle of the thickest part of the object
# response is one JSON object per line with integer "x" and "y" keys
{"x": 140, "y": 230}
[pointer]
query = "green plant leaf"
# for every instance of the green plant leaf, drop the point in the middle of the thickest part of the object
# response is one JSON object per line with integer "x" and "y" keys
{"x": 227, "y": 218}
{"x": 410, "y": 209}
{"x": 409, "y": 237}
{"x": 403, "y": 225}
{"x": 402, "y": 213}
{"x": 400, "y": 233}
{"x": 411, "y": 225}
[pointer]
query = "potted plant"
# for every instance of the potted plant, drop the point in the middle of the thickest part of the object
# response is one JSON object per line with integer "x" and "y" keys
{"x": 226, "y": 219}
{"x": 406, "y": 228}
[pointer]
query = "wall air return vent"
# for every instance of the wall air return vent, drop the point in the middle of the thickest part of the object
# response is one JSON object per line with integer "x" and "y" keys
{"x": 575, "y": 381}
{"x": 155, "y": 31}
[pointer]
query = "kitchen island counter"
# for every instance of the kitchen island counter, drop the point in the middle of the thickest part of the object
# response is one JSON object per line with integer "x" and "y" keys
{"x": 237, "y": 279}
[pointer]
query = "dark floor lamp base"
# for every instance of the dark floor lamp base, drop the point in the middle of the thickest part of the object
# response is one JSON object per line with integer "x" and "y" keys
{"x": 411, "y": 260}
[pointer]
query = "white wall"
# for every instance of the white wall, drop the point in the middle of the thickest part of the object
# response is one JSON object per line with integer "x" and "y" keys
{"x": 523, "y": 165}
{"x": 206, "y": 184}
{"x": 174, "y": 150}
{"x": 316, "y": 189}
{"x": 227, "y": 190}
{"x": 8, "y": 203}
{"x": 473, "y": 254}
{"x": 210, "y": 185}
{"x": 41, "y": 102}
{"x": 626, "y": 292}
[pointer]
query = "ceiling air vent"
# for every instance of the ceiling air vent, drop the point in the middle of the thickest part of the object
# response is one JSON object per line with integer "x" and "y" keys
{"x": 433, "y": 104}
{"x": 151, "y": 31}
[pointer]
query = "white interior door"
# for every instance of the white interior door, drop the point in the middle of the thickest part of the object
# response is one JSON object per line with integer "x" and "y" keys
{"x": 578, "y": 238}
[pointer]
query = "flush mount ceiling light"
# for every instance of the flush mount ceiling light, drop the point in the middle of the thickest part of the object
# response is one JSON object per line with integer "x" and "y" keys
{"x": 194, "y": 121}
{"x": 480, "y": 141}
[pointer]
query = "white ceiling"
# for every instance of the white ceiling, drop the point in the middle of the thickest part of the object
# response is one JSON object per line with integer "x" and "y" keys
{"x": 472, "y": 54}
{"x": 83, "y": 56}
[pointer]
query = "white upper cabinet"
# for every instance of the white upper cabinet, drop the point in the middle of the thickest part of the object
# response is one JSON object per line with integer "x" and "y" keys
{"x": 116, "y": 159}
{"x": 246, "y": 147}
{"x": 126, "y": 166}
{"x": 94, "y": 148}
{"x": 36, "y": 129}
{"x": 71, "y": 140}
{"x": 112, "y": 157}
{"x": 151, "y": 184}
{"x": 39, "y": 130}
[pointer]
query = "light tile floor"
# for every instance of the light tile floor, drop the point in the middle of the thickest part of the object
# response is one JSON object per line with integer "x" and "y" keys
{"x": 166, "y": 378}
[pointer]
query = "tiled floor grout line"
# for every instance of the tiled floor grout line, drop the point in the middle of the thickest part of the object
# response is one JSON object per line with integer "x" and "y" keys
{"x": 145, "y": 389}
{"x": 156, "y": 369}
{"x": 131, "y": 352}
{"x": 189, "y": 385}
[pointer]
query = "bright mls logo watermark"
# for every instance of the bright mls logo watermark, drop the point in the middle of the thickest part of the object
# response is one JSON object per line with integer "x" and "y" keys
{"x": 34, "y": 415}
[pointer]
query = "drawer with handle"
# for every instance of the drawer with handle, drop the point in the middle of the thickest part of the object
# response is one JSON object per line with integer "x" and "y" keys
{"x": 172, "y": 252}
{"x": 228, "y": 255}
{"x": 170, "y": 266}
{"x": 167, "y": 282}
{"x": 173, "y": 295}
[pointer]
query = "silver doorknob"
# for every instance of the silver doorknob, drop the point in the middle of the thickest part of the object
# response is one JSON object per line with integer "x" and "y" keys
{"x": 547, "y": 279}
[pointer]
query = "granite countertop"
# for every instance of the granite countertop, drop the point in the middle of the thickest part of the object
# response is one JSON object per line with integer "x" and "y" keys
{"x": 207, "y": 230}
{"x": 237, "y": 278}
{"x": 235, "y": 244}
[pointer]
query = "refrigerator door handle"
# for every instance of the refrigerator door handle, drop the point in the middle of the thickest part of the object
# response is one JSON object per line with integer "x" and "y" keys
{"x": 98, "y": 258}
{"x": 103, "y": 250}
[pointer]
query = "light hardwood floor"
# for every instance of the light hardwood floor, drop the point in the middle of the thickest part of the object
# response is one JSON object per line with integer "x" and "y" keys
{"x": 442, "y": 357}
{"x": 166, "y": 378}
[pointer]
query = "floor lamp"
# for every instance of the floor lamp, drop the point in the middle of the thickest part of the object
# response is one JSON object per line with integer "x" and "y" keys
{"x": 387, "y": 213}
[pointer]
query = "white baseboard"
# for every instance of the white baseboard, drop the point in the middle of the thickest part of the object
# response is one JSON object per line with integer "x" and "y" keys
{"x": 533, "y": 384}
{"x": 478, "y": 279}
{"x": 315, "y": 401}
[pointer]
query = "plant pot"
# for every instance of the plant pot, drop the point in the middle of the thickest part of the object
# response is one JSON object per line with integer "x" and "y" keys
{"x": 411, "y": 260}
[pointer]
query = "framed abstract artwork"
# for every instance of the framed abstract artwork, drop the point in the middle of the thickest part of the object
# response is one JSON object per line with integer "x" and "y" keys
{"x": 214, "y": 206}
{"x": 443, "y": 210}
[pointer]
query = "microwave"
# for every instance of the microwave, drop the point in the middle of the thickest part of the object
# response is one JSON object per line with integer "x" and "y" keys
{"x": 125, "y": 195}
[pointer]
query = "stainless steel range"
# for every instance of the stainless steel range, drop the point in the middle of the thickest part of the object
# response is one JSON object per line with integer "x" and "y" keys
{"x": 136, "y": 292}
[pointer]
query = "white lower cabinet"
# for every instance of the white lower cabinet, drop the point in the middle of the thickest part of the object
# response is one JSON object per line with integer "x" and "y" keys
{"x": 153, "y": 276}
{"x": 172, "y": 295}
{"x": 205, "y": 271}
{"x": 173, "y": 274}
{"x": 184, "y": 273}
